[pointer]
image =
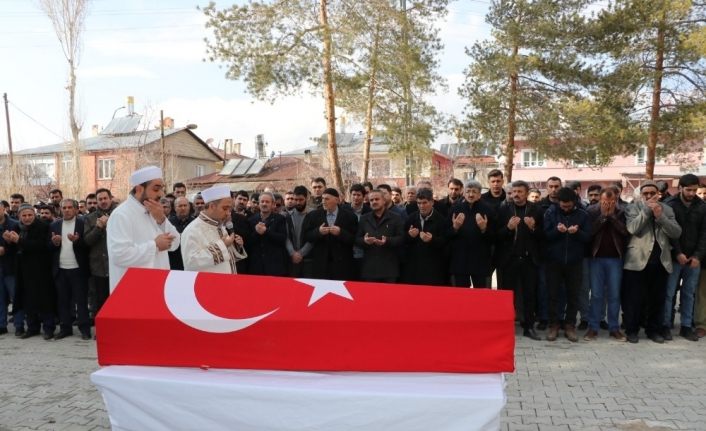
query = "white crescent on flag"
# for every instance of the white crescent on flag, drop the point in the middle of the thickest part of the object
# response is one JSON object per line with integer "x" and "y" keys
{"x": 180, "y": 297}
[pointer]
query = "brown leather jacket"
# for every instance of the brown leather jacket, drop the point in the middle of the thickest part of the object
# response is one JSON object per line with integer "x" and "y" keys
{"x": 601, "y": 225}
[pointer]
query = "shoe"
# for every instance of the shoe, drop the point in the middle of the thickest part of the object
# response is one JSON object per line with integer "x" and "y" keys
{"x": 3, "y": 331}
{"x": 590, "y": 335}
{"x": 632, "y": 338}
{"x": 63, "y": 334}
{"x": 48, "y": 336}
{"x": 553, "y": 333}
{"x": 86, "y": 336}
{"x": 666, "y": 334}
{"x": 19, "y": 332}
{"x": 700, "y": 332}
{"x": 570, "y": 333}
{"x": 603, "y": 325}
{"x": 617, "y": 335}
{"x": 542, "y": 325}
{"x": 657, "y": 338}
{"x": 531, "y": 333}
{"x": 583, "y": 325}
{"x": 28, "y": 334}
{"x": 688, "y": 333}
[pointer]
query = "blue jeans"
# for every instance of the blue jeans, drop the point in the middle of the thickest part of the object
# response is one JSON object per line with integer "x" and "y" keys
{"x": 583, "y": 301}
{"x": 690, "y": 279}
{"x": 606, "y": 276}
{"x": 7, "y": 291}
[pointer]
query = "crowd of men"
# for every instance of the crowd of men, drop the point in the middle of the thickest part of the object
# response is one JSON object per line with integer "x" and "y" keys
{"x": 572, "y": 264}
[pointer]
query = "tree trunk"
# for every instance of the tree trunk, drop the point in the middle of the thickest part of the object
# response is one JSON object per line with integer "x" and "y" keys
{"x": 510, "y": 146}
{"x": 656, "y": 101}
{"x": 75, "y": 175}
{"x": 329, "y": 98}
{"x": 371, "y": 103}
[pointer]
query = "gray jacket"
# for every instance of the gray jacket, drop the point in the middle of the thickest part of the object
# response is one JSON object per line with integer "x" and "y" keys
{"x": 95, "y": 239}
{"x": 643, "y": 227}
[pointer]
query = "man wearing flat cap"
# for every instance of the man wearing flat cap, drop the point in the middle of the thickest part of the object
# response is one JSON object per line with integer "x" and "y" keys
{"x": 648, "y": 261}
{"x": 139, "y": 234}
{"x": 331, "y": 230}
{"x": 207, "y": 245}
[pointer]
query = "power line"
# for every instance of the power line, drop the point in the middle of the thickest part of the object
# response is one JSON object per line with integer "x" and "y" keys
{"x": 37, "y": 122}
{"x": 89, "y": 30}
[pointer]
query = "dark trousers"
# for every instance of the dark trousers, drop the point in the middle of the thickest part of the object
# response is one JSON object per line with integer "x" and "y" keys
{"x": 566, "y": 277}
{"x": 465, "y": 280}
{"x": 101, "y": 286}
{"x": 520, "y": 275}
{"x": 72, "y": 291}
{"x": 640, "y": 288}
{"x": 35, "y": 319}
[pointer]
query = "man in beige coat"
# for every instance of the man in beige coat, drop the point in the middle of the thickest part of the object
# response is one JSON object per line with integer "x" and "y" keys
{"x": 648, "y": 261}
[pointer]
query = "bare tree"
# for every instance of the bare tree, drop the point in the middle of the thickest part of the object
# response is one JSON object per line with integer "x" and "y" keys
{"x": 68, "y": 18}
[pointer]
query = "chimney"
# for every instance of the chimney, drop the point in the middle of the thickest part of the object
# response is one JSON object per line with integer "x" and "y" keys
{"x": 260, "y": 147}
{"x": 95, "y": 130}
{"x": 236, "y": 148}
{"x": 130, "y": 106}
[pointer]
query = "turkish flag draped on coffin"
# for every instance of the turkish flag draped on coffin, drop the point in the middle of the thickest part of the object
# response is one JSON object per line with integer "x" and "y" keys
{"x": 188, "y": 319}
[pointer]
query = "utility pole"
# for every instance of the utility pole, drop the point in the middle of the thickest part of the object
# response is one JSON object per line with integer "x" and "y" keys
{"x": 9, "y": 135}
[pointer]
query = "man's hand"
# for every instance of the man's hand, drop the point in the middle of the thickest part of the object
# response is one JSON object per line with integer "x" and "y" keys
{"x": 382, "y": 241}
{"x": 370, "y": 240}
{"x": 607, "y": 208}
{"x": 11, "y": 236}
{"x": 334, "y": 230}
{"x": 458, "y": 220}
{"x": 228, "y": 240}
{"x": 482, "y": 222}
{"x": 297, "y": 257}
{"x": 513, "y": 222}
{"x": 73, "y": 237}
{"x": 261, "y": 228}
{"x": 2, "y": 251}
{"x": 55, "y": 239}
{"x": 155, "y": 209}
{"x": 573, "y": 229}
{"x": 695, "y": 262}
{"x": 682, "y": 259}
{"x": 102, "y": 221}
{"x": 164, "y": 241}
{"x": 655, "y": 207}
{"x": 324, "y": 230}
{"x": 561, "y": 227}
{"x": 425, "y": 236}
{"x": 413, "y": 231}
{"x": 530, "y": 222}
{"x": 239, "y": 240}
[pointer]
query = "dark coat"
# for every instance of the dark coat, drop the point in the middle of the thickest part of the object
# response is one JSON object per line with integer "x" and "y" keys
{"x": 425, "y": 262}
{"x": 241, "y": 226}
{"x": 566, "y": 248}
{"x": 508, "y": 239}
{"x": 79, "y": 246}
{"x": 692, "y": 220}
{"x": 97, "y": 241}
{"x": 35, "y": 286}
{"x": 267, "y": 253}
{"x": 492, "y": 201}
{"x": 8, "y": 259}
{"x": 176, "y": 261}
{"x": 471, "y": 249}
{"x": 381, "y": 262}
{"x": 331, "y": 256}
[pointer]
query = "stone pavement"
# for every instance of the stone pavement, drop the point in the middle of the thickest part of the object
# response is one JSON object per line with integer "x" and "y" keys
{"x": 602, "y": 385}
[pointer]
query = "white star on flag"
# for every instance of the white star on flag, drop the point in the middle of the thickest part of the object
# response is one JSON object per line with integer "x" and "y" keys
{"x": 324, "y": 287}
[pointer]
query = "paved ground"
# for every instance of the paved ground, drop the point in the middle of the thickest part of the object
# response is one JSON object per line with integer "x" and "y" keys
{"x": 603, "y": 385}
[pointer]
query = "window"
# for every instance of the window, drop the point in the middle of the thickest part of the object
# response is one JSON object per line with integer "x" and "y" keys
{"x": 380, "y": 168}
{"x": 106, "y": 169}
{"x": 588, "y": 158}
{"x": 641, "y": 156}
{"x": 199, "y": 171}
{"x": 532, "y": 159}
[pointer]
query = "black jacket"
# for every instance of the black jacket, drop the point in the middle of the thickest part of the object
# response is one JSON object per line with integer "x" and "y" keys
{"x": 267, "y": 253}
{"x": 380, "y": 261}
{"x": 470, "y": 248}
{"x": 79, "y": 246}
{"x": 566, "y": 248}
{"x": 692, "y": 220}
{"x": 331, "y": 256}
{"x": 35, "y": 285}
{"x": 425, "y": 262}
{"x": 507, "y": 244}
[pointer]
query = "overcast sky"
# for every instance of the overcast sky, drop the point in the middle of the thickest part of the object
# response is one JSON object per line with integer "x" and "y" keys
{"x": 153, "y": 50}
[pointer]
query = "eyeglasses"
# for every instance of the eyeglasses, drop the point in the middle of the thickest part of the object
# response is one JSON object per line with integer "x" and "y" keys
{"x": 648, "y": 194}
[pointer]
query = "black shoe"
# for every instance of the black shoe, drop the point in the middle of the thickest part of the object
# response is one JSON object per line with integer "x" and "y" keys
{"x": 604, "y": 325}
{"x": 531, "y": 333}
{"x": 632, "y": 338}
{"x": 583, "y": 325}
{"x": 19, "y": 332}
{"x": 86, "y": 336}
{"x": 542, "y": 325}
{"x": 3, "y": 331}
{"x": 656, "y": 338}
{"x": 666, "y": 334}
{"x": 688, "y": 333}
{"x": 63, "y": 334}
{"x": 28, "y": 334}
{"x": 48, "y": 336}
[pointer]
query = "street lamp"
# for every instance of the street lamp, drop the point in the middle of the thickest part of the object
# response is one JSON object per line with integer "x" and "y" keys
{"x": 116, "y": 111}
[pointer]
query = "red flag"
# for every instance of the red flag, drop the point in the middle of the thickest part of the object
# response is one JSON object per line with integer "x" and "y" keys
{"x": 181, "y": 318}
